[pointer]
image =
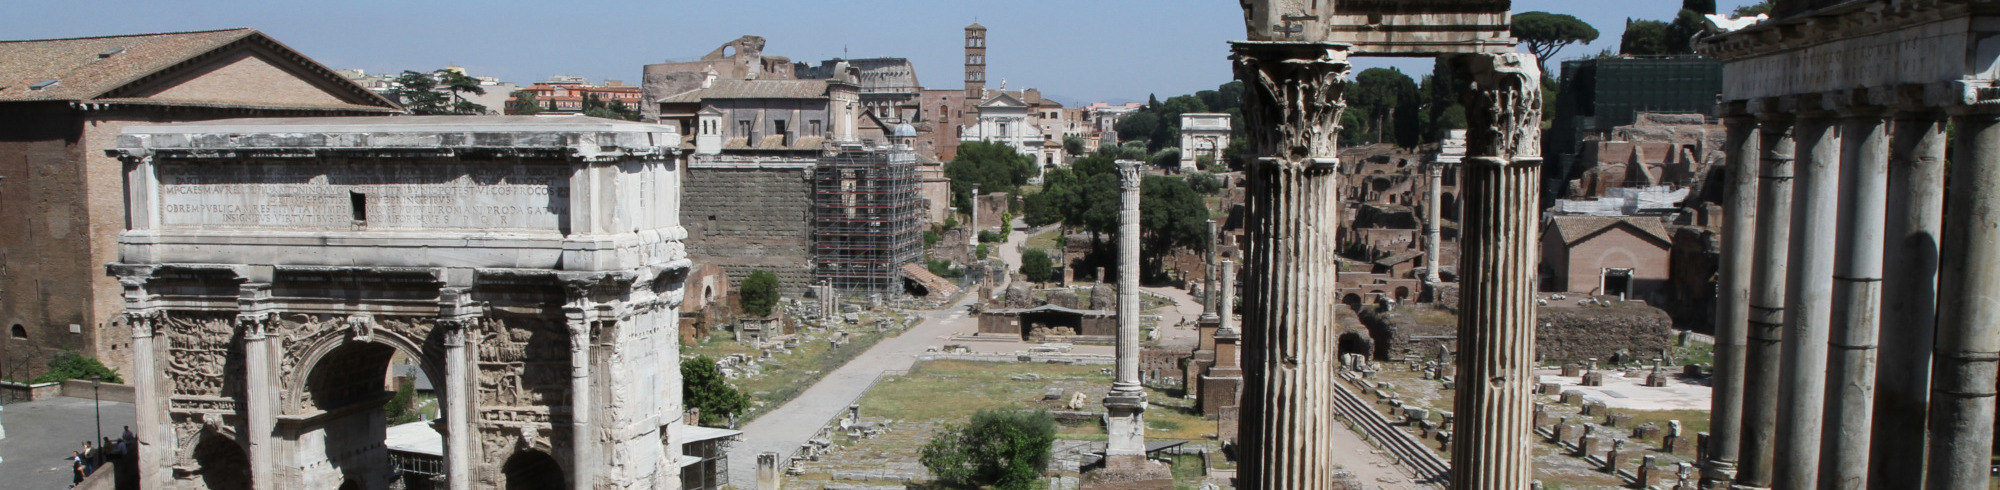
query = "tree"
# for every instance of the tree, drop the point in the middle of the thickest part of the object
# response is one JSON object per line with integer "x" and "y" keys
{"x": 418, "y": 93}
{"x": 1005, "y": 449}
{"x": 458, "y": 83}
{"x": 1138, "y": 126}
{"x": 1171, "y": 215}
{"x": 1204, "y": 183}
{"x": 524, "y": 103}
{"x": 1547, "y": 34}
{"x": 402, "y": 407}
{"x": 1073, "y": 145}
{"x": 1646, "y": 38}
{"x": 1759, "y": 8}
{"x": 993, "y": 167}
{"x": 1699, "y": 6}
{"x": 759, "y": 292}
{"x": 1381, "y": 92}
{"x": 1036, "y": 265}
{"x": 703, "y": 388}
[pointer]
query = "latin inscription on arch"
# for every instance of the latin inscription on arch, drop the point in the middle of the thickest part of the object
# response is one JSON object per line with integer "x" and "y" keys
{"x": 310, "y": 196}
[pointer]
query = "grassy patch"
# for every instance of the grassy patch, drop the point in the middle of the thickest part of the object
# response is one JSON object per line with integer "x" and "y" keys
{"x": 784, "y": 376}
{"x": 1048, "y": 240}
{"x": 1694, "y": 353}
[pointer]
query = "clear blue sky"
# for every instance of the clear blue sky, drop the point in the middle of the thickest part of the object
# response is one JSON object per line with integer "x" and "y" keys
{"x": 1073, "y": 50}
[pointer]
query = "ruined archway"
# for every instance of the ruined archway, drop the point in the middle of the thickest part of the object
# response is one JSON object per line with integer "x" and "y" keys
{"x": 530, "y": 469}
{"x": 1402, "y": 294}
{"x": 221, "y": 462}
{"x": 1353, "y": 301}
{"x": 1354, "y": 342}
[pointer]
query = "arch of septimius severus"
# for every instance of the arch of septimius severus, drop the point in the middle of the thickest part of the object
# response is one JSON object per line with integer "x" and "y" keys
{"x": 1859, "y": 325}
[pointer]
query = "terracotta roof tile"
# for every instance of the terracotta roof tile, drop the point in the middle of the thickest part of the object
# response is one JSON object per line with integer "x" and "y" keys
{"x": 87, "y": 68}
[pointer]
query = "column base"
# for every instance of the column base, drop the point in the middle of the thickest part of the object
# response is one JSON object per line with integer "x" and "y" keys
{"x": 1718, "y": 474}
{"x": 1129, "y": 472}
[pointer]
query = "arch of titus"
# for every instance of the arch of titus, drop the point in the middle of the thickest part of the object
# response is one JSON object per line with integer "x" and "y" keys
{"x": 1858, "y": 322}
{"x": 1293, "y": 64}
{"x": 531, "y": 266}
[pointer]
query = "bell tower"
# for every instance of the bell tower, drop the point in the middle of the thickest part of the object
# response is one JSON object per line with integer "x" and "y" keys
{"x": 975, "y": 63}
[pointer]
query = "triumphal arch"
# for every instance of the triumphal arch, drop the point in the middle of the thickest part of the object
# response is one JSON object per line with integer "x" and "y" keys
{"x": 530, "y": 266}
{"x": 1293, "y": 66}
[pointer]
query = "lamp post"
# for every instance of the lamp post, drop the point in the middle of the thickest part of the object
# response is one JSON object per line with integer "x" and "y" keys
{"x": 98, "y": 409}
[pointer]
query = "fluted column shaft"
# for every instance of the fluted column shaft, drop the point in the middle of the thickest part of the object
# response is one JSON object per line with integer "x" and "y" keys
{"x": 457, "y": 408}
{"x": 1767, "y": 299}
{"x": 1808, "y": 298}
{"x": 1434, "y": 181}
{"x": 583, "y": 443}
{"x": 1968, "y": 333}
{"x": 1909, "y": 301}
{"x": 1497, "y": 269}
{"x": 1125, "y": 405}
{"x": 153, "y": 450}
{"x": 257, "y": 407}
{"x": 1857, "y": 293}
{"x": 1732, "y": 291}
{"x": 1291, "y": 107}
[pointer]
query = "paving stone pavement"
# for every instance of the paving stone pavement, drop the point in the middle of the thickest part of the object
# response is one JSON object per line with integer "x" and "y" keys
{"x": 40, "y": 435}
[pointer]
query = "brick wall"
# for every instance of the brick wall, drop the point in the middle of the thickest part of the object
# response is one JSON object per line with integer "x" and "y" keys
{"x": 749, "y": 219}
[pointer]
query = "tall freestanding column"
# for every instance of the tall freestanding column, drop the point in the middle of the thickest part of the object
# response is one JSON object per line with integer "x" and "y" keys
{"x": 1968, "y": 334}
{"x": 1434, "y": 188}
{"x": 583, "y": 443}
{"x": 1291, "y": 107}
{"x": 1857, "y": 293}
{"x": 1126, "y": 403}
{"x": 1808, "y": 300}
{"x": 1767, "y": 298}
{"x": 1909, "y": 300}
{"x": 1498, "y": 260}
{"x": 1732, "y": 290}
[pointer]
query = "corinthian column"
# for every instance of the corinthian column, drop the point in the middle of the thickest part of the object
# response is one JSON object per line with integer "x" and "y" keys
{"x": 1767, "y": 300}
{"x": 259, "y": 394}
{"x": 1291, "y": 108}
{"x": 1909, "y": 300}
{"x": 1968, "y": 339}
{"x": 1809, "y": 301}
{"x": 1126, "y": 403}
{"x": 583, "y": 447}
{"x": 153, "y": 451}
{"x": 1732, "y": 309}
{"x": 1857, "y": 294}
{"x": 1497, "y": 257}
{"x": 456, "y": 314}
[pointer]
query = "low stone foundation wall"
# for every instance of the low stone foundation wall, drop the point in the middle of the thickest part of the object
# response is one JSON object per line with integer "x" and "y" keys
{"x": 11, "y": 392}
{"x": 1566, "y": 331}
{"x": 110, "y": 392}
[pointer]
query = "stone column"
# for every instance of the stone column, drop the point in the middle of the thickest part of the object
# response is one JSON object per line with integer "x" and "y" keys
{"x": 1498, "y": 259}
{"x": 1732, "y": 311}
{"x": 1808, "y": 300}
{"x": 1909, "y": 300}
{"x": 1291, "y": 107}
{"x": 974, "y": 224}
{"x": 1968, "y": 338}
{"x": 457, "y": 406}
{"x": 258, "y": 394}
{"x": 1857, "y": 282}
{"x": 583, "y": 442}
{"x": 1208, "y": 285}
{"x": 1126, "y": 403}
{"x": 1226, "y": 305}
{"x": 1434, "y": 181}
{"x": 1767, "y": 299}
{"x": 154, "y": 452}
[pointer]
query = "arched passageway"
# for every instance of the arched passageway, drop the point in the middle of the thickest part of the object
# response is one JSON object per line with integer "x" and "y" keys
{"x": 529, "y": 469}
{"x": 223, "y": 464}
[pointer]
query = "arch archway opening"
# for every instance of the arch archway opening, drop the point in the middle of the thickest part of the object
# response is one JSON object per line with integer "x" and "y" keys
{"x": 353, "y": 395}
{"x": 222, "y": 463}
{"x": 530, "y": 469}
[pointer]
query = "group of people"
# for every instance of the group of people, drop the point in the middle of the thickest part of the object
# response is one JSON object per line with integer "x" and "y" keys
{"x": 91, "y": 458}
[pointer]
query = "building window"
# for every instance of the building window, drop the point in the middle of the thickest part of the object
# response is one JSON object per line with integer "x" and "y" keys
{"x": 18, "y": 331}
{"x": 814, "y": 128}
{"x": 743, "y": 128}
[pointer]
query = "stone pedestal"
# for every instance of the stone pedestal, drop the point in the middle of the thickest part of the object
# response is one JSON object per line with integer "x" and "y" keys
{"x": 1129, "y": 473}
{"x": 770, "y": 476}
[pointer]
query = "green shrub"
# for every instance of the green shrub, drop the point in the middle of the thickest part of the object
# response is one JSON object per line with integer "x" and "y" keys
{"x": 931, "y": 238}
{"x": 980, "y": 253}
{"x": 988, "y": 236}
{"x": 759, "y": 292}
{"x": 402, "y": 408}
{"x": 703, "y": 388}
{"x": 944, "y": 269}
{"x": 1004, "y": 449}
{"x": 1036, "y": 265}
{"x": 69, "y": 364}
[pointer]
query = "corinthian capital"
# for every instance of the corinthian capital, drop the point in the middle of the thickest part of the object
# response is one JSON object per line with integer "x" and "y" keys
{"x": 1130, "y": 173}
{"x": 1503, "y": 107}
{"x": 1295, "y": 90}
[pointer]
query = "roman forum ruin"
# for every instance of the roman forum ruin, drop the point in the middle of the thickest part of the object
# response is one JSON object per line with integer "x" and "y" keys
{"x": 1841, "y": 109}
{"x": 1293, "y": 64}
{"x": 272, "y": 271}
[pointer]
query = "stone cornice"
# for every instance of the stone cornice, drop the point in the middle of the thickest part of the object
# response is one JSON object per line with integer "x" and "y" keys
{"x": 1843, "y": 21}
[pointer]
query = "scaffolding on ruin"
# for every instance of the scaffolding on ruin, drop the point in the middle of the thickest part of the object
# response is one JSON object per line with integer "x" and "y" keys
{"x": 867, "y": 217}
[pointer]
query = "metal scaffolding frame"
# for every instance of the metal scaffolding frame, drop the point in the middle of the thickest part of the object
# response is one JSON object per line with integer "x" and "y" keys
{"x": 867, "y": 217}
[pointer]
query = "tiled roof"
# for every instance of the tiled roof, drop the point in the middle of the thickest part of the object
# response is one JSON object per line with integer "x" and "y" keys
{"x": 753, "y": 89}
{"x": 97, "y": 67}
{"x": 1573, "y": 229}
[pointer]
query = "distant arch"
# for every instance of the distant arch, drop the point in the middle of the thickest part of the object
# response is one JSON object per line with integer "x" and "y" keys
{"x": 1402, "y": 294}
{"x": 18, "y": 331}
